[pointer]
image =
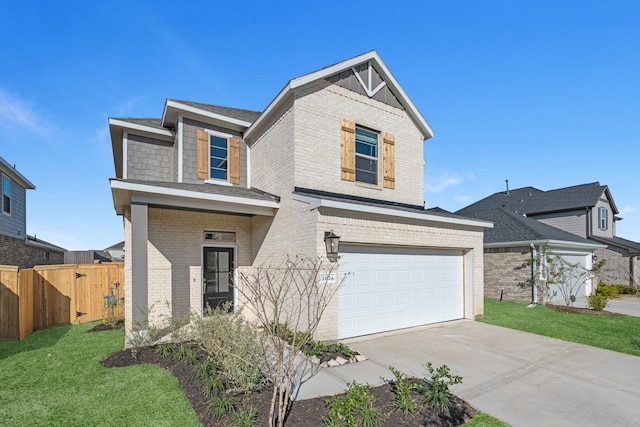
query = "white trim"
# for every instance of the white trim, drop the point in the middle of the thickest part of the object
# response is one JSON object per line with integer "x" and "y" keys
{"x": 13, "y": 173}
{"x": 248, "y": 165}
{"x": 385, "y": 74}
{"x": 315, "y": 203}
{"x": 211, "y": 180}
{"x": 222, "y": 245}
{"x": 125, "y": 149}
{"x": 10, "y": 194}
{"x": 562, "y": 243}
{"x": 180, "y": 148}
{"x": 141, "y": 128}
{"x": 367, "y": 87}
{"x": 125, "y": 193}
{"x": 201, "y": 112}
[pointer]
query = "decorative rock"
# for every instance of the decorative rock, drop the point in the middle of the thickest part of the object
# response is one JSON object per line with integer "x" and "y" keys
{"x": 352, "y": 360}
{"x": 324, "y": 365}
{"x": 315, "y": 359}
{"x": 360, "y": 357}
{"x": 341, "y": 360}
{"x": 332, "y": 363}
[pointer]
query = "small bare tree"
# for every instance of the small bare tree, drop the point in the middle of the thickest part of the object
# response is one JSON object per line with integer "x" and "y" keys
{"x": 288, "y": 302}
{"x": 568, "y": 277}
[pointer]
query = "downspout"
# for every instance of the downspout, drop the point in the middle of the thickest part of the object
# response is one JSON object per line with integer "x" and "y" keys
{"x": 534, "y": 273}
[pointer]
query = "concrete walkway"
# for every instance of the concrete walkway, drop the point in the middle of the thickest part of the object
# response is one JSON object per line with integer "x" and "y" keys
{"x": 521, "y": 378}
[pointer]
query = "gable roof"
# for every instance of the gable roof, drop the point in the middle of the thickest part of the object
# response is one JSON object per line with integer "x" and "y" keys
{"x": 13, "y": 173}
{"x": 532, "y": 201}
{"x": 330, "y": 70}
{"x": 512, "y": 228}
{"x": 234, "y": 118}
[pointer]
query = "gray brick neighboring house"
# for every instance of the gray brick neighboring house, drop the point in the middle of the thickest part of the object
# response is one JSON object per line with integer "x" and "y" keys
{"x": 16, "y": 246}
{"x": 577, "y": 222}
{"x": 209, "y": 192}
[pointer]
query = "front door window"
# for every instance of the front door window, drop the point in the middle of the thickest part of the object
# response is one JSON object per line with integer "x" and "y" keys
{"x": 218, "y": 277}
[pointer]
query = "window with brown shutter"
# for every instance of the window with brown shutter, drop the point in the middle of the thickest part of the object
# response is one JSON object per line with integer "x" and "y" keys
{"x": 348, "y": 147}
{"x": 234, "y": 160}
{"x": 389, "y": 151}
{"x": 218, "y": 157}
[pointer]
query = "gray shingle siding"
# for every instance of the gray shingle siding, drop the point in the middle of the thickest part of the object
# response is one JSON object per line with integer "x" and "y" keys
{"x": 189, "y": 161}
{"x": 149, "y": 159}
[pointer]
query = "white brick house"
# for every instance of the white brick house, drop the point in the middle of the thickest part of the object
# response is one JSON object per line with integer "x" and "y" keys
{"x": 208, "y": 191}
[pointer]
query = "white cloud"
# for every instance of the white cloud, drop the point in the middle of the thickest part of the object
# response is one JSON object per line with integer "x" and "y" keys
{"x": 629, "y": 209}
{"x": 440, "y": 181}
{"x": 463, "y": 198}
{"x": 101, "y": 139}
{"x": 15, "y": 114}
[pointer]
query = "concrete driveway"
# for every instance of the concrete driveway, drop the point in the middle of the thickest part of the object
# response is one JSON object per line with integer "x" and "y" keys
{"x": 626, "y": 305}
{"x": 521, "y": 378}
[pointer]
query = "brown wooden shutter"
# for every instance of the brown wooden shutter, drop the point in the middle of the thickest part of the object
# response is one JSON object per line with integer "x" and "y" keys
{"x": 389, "y": 152}
{"x": 234, "y": 160}
{"x": 348, "y": 149}
{"x": 203, "y": 154}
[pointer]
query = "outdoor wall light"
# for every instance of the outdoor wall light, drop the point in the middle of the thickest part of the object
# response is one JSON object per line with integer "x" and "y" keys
{"x": 594, "y": 257}
{"x": 331, "y": 242}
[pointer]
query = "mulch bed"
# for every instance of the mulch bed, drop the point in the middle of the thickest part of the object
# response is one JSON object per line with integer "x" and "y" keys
{"x": 106, "y": 327}
{"x": 303, "y": 413}
{"x": 571, "y": 309}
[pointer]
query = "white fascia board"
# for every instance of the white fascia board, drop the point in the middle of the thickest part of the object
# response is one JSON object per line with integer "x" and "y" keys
{"x": 13, "y": 173}
{"x": 336, "y": 68}
{"x": 166, "y": 133}
{"x": 318, "y": 202}
{"x": 200, "y": 112}
{"x": 546, "y": 242}
{"x": 178, "y": 196}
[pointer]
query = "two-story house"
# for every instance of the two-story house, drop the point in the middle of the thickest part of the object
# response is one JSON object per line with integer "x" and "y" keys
{"x": 578, "y": 222}
{"x": 207, "y": 192}
{"x": 16, "y": 246}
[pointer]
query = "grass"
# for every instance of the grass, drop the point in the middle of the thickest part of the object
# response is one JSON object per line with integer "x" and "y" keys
{"x": 53, "y": 377}
{"x": 617, "y": 333}
{"x": 484, "y": 420}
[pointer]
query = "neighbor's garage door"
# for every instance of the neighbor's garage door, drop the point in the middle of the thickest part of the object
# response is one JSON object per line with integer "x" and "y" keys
{"x": 387, "y": 289}
{"x": 577, "y": 285}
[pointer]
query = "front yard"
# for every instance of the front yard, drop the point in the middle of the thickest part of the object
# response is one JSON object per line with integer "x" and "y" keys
{"x": 612, "y": 332}
{"x": 54, "y": 377}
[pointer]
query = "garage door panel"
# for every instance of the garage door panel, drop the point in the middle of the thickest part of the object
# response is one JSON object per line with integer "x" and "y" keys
{"x": 406, "y": 288}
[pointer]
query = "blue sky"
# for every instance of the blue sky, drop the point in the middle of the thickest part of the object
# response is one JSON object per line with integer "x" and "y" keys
{"x": 543, "y": 93}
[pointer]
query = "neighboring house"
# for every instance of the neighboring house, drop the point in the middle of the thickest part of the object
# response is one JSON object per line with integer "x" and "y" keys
{"x": 576, "y": 222}
{"x": 207, "y": 192}
{"x": 16, "y": 247}
{"x": 92, "y": 256}
{"x": 116, "y": 252}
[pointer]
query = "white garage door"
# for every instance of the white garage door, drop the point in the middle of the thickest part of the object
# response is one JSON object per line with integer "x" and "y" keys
{"x": 387, "y": 289}
{"x": 576, "y": 283}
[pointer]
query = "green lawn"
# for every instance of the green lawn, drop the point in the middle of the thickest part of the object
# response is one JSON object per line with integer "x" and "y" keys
{"x": 617, "y": 333}
{"x": 53, "y": 377}
{"x": 484, "y": 420}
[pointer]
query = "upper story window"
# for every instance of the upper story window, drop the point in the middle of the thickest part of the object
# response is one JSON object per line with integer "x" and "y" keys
{"x": 6, "y": 195}
{"x": 218, "y": 157}
{"x": 366, "y": 156}
{"x": 218, "y": 160}
{"x": 603, "y": 219}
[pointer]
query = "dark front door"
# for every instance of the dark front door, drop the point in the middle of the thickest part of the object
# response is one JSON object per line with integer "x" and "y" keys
{"x": 218, "y": 276}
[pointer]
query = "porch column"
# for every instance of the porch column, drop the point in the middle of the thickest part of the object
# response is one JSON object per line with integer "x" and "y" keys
{"x": 139, "y": 260}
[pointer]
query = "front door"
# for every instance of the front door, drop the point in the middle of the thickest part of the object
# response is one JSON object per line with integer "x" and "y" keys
{"x": 218, "y": 277}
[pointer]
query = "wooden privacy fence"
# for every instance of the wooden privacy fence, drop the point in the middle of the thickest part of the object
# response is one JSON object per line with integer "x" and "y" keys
{"x": 52, "y": 295}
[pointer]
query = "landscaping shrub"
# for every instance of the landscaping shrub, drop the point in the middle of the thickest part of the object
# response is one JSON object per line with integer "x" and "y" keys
{"x": 436, "y": 391}
{"x": 625, "y": 289}
{"x": 402, "y": 389}
{"x": 233, "y": 346}
{"x": 597, "y": 302}
{"x": 353, "y": 408}
{"x": 607, "y": 290}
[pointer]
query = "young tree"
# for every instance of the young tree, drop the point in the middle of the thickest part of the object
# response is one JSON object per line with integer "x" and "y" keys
{"x": 567, "y": 277}
{"x": 288, "y": 302}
